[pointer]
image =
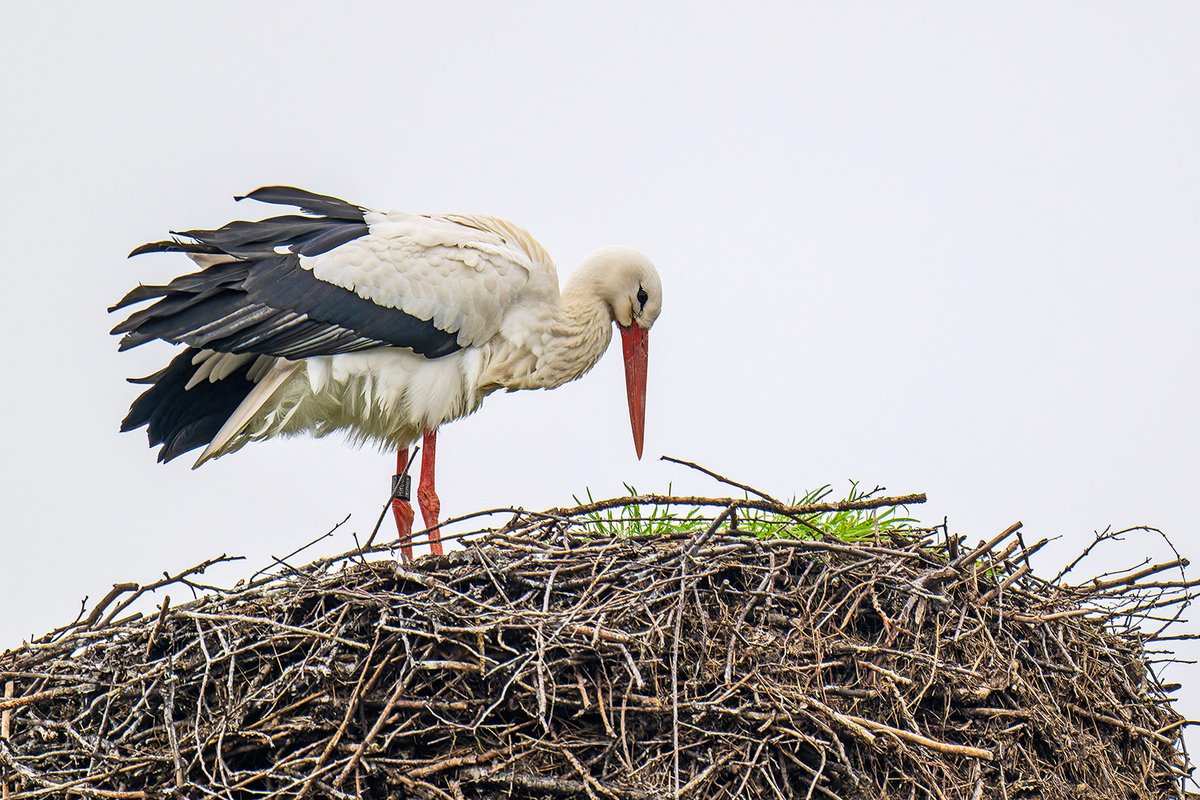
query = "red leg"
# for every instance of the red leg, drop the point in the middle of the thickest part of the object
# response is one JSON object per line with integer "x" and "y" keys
{"x": 426, "y": 494}
{"x": 402, "y": 510}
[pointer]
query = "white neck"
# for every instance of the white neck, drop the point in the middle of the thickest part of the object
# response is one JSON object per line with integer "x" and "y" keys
{"x": 581, "y": 333}
{"x": 559, "y": 347}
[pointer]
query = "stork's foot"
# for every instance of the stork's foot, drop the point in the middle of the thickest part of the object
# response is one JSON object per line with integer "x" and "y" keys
{"x": 427, "y": 497}
{"x": 402, "y": 510}
{"x": 430, "y": 509}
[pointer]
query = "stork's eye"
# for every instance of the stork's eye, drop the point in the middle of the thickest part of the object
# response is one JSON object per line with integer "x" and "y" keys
{"x": 642, "y": 297}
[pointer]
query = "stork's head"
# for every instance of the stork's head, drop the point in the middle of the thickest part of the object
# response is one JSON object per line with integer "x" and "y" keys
{"x": 627, "y": 281}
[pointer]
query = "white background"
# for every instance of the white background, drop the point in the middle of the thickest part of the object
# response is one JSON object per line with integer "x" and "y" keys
{"x": 941, "y": 247}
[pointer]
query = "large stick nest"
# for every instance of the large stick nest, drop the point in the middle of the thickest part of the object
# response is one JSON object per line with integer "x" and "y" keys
{"x": 552, "y": 658}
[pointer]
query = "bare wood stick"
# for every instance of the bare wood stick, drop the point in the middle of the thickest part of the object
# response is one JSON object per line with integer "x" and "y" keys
{"x": 703, "y": 775}
{"x": 162, "y": 617}
{"x": 1132, "y": 578}
{"x": 401, "y": 687}
{"x": 698, "y": 541}
{"x": 722, "y": 478}
{"x": 271, "y": 623}
{"x": 1019, "y": 573}
{"x": 590, "y": 632}
{"x": 10, "y": 688}
{"x": 49, "y": 694}
{"x": 80, "y": 785}
{"x": 924, "y": 741}
{"x": 459, "y": 761}
{"x": 167, "y": 580}
{"x": 1116, "y": 723}
{"x": 861, "y": 550}
{"x": 561, "y": 786}
{"x": 351, "y": 707}
{"x": 1107, "y": 535}
{"x": 761, "y": 505}
{"x": 117, "y": 590}
{"x": 283, "y": 559}
{"x": 973, "y": 555}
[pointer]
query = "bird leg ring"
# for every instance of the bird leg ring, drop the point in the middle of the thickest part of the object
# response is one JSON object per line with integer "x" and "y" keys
{"x": 401, "y": 508}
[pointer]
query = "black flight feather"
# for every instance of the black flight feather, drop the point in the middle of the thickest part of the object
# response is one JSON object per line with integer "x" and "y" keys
{"x": 308, "y": 201}
{"x": 258, "y": 301}
{"x": 266, "y": 279}
{"x": 174, "y": 246}
{"x": 182, "y": 419}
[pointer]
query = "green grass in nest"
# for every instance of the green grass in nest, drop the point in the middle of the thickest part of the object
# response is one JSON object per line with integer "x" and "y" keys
{"x": 850, "y": 526}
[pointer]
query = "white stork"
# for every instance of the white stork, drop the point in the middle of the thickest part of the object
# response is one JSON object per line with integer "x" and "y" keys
{"x": 381, "y": 325}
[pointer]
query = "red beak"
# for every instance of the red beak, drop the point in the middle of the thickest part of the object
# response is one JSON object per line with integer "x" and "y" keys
{"x": 635, "y": 342}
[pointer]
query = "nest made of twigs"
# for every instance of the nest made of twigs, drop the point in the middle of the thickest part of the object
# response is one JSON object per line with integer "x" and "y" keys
{"x": 549, "y": 658}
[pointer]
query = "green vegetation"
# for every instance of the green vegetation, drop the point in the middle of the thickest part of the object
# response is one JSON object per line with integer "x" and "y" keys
{"x": 636, "y": 519}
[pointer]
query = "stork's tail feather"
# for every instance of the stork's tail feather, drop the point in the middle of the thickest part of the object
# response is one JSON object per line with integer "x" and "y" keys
{"x": 181, "y": 418}
{"x": 229, "y": 437}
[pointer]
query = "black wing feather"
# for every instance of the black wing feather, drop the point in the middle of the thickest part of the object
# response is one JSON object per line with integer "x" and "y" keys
{"x": 308, "y": 201}
{"x": 256, "y": 300}
{"x": 238, "y": 306}
{"x": 281, "y": 280}
{"x": 174, "y": 246}
{"x": 250, "y": 239}
{"x": 183, "y": 419}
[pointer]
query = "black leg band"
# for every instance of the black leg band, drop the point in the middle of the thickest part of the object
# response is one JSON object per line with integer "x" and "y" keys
{"x": 402, "y": 487}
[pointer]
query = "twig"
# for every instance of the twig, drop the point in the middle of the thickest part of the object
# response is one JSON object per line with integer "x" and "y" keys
{"x": 761, "y": 505}
{"x": 6, "y": 732}
{"x": 1128, "y": 580}
{"x": 49, "y": 694}
{"x": 972, "y": 556}
{"x": 924, "y": 741}
{"x": 303, "y": 547}
{"x": 117, "y": 590}
{"x": 545, "y": 658}
{"x": 723, "y": 479}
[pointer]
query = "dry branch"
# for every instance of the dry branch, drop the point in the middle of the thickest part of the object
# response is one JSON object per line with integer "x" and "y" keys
{"x": 550, "y": 659}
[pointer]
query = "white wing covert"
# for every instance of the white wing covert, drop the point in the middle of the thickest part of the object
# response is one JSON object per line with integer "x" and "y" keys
{"x": 340, "y": 280}
{"x": 460, "y": 277}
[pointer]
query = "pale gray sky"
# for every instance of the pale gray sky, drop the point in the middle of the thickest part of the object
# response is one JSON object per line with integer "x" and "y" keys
{"x": 942, "y": 247}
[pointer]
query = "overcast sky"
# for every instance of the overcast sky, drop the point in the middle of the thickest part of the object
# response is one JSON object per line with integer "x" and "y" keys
{"x": 941, "y": 247}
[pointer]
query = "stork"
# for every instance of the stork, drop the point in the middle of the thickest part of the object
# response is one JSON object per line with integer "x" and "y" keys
{"x": 381, "y": 325}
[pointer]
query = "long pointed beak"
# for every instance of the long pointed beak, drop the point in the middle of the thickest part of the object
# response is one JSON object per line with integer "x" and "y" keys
{"x": 635, "y": 342}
